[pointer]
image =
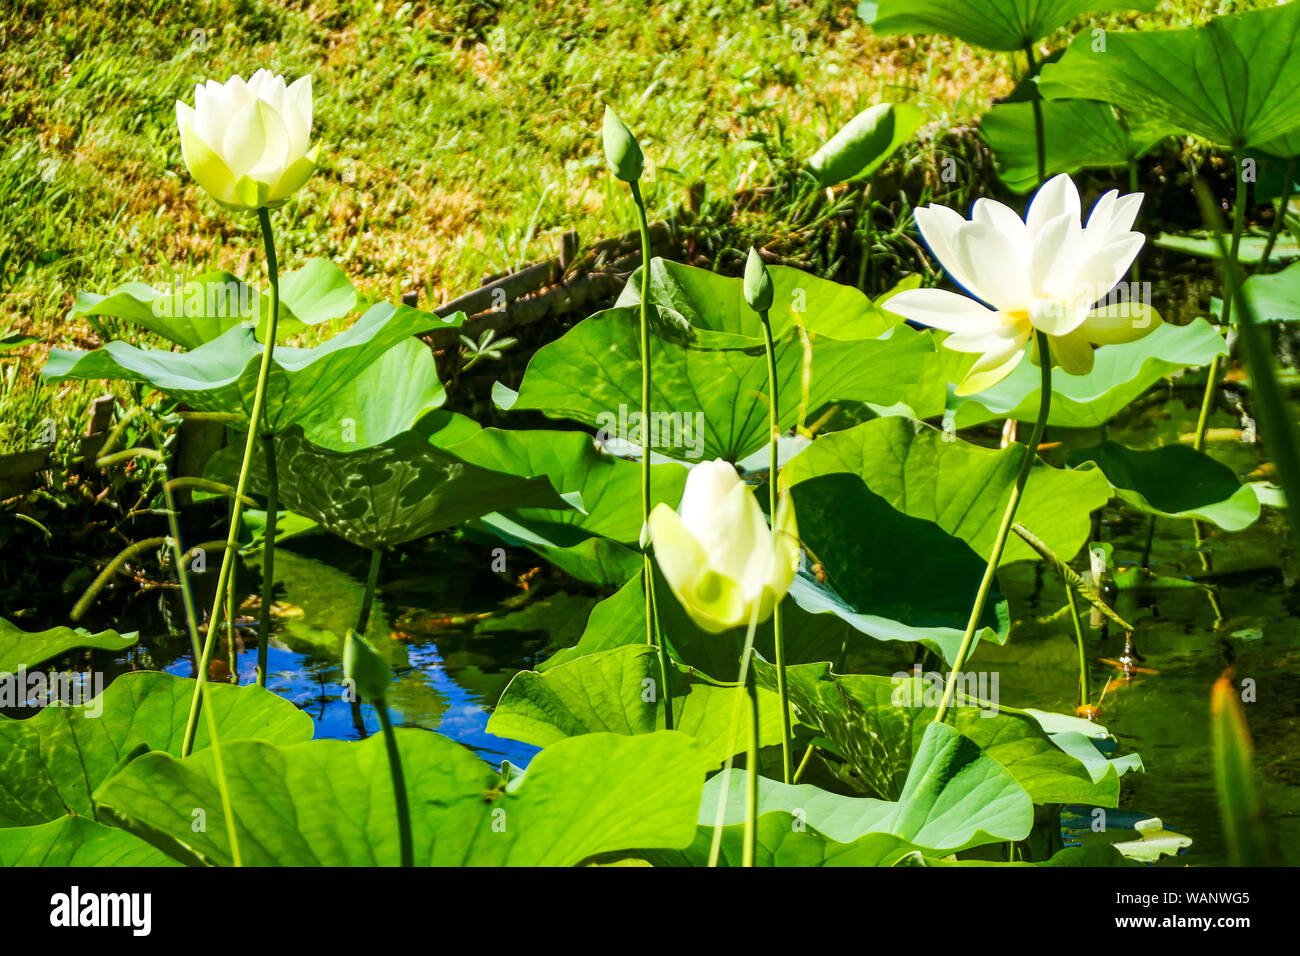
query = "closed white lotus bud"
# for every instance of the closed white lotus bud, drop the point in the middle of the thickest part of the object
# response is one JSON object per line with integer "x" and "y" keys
{"x": 247, "y": 143}
{"x": 717, "y": 553}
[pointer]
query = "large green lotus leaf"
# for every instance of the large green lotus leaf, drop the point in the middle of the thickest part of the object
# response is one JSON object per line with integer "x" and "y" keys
{"x": 330, "y": 802}
{"x": 1174, "y": 481}
{"x": 393, "y": 393}
{"x": 620, "y": 620}
{"x": 1119, "y": 374}
{"x": 872, "y": 723}
{"x": 21, "y": 649}
{"x": 221, "y": 375}
{"x": 712, "y": 303}
{"x": 1094, "y": 854}
{"x": 864, "y": 143}
{"x": 397, "y": 491}
{"x": 586, "y": 557}
{"x": 992, "y": 24}
{"x": 51, "y": 763}
{"x": 215, "y": 302}
{"x": 618, "y": 691}
{"x": 888, "y": 574}
{"x": 955, "y": 797}
{"x": 592, "y": 544}
{"x": 1276, "y": 297}
{"x": 1272, "y": 160}
{"x": 711, "y": 402}
{"x": 959, "y": 486}
{"x": 610, "y": 486}
{"x": 1199, "y": 242}
{"x": 1077, "y": 134}
{"x": 1231, "y": 80}
{"x": 76, "y": 841}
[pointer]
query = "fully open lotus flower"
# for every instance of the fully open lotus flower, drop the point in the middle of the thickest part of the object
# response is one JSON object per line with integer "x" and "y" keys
{"x": 247, "y": 142}
{"x": 717, "y": 553}
{"x": 1046, "y": 272}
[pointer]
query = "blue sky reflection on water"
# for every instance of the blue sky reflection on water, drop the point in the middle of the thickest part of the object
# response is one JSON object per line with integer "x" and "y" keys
{"x": 315, "y": 685}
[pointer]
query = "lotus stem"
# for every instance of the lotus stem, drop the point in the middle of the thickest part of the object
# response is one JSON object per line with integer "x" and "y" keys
{"x": 1134, "y": 273}
{"x": 803, "y": 764}
{"x": 1070, "y": 576}
{"x": 1229, "y": 291}
{"x": 783, "y": 690}
{"x": 1084, "y": 694}
{"x": 1009, "y": 516}
{"x": 1040, "y": 135}
{"x": 1280, "y": 218}
{"x": 237, "y": 507}
{"x": 372, "y": 583}
{"x": 1146, "y": 548}
{"x": 191, "y": 624}
{"x": 751, "y": 764}
{"x": 751, "y": 803}
{"x": 205, "y": 484}
{"x": 399, "y": 783}
{"x": 653, "y": 635}
{"x": 268, "y": 557}
{"x": 868, "y": 236}
{"x": 232, "y": 652}
{"x": 268, "y": 451}
{"x": 123, "y": 556}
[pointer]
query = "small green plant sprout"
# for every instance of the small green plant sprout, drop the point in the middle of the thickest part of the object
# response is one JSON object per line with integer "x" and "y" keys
{"x": 488, "y": 346}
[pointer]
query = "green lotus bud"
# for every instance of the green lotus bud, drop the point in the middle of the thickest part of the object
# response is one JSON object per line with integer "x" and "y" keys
{"x": 365, "y": 667}
{"x": 621, "y": 149}
{"x": 758, "y": 284}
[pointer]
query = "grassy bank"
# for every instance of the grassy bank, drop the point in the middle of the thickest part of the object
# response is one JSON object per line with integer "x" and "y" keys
{"x": 459, "y": 137}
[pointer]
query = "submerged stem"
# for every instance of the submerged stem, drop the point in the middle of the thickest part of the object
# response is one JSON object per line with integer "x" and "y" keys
{"x": 1280, "y": 218}
{"x": 237, "y": 508}
{"x": 372, "y": 583}
{"x": 1085, "y": 695}
{"x": 268, "y": 556}
{"x": 1229, "y": 291}
{"x": 1009, "y": 516}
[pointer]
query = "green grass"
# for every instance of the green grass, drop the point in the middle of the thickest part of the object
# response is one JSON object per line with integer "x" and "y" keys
{"x": 460, "y": 138}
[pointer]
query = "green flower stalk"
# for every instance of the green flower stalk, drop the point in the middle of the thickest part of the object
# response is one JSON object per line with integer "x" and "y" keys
{"x": 746, "y": 685}
{"x": 1040, "y": 134}
{"x": 759, "y": 295}
{"x": 246, "y": 143}
{"x": 369, "y": 675}
{"x": 1225, "y": 315}
{"x": 625, "y": 159}
{"x": 1004, "y": 529}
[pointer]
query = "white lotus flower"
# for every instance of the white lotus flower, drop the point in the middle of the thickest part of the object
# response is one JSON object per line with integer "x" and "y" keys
{"x": 718, "y": 554}
{"x": 246, "y": 143}
{"x": 1046, "y": 272}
